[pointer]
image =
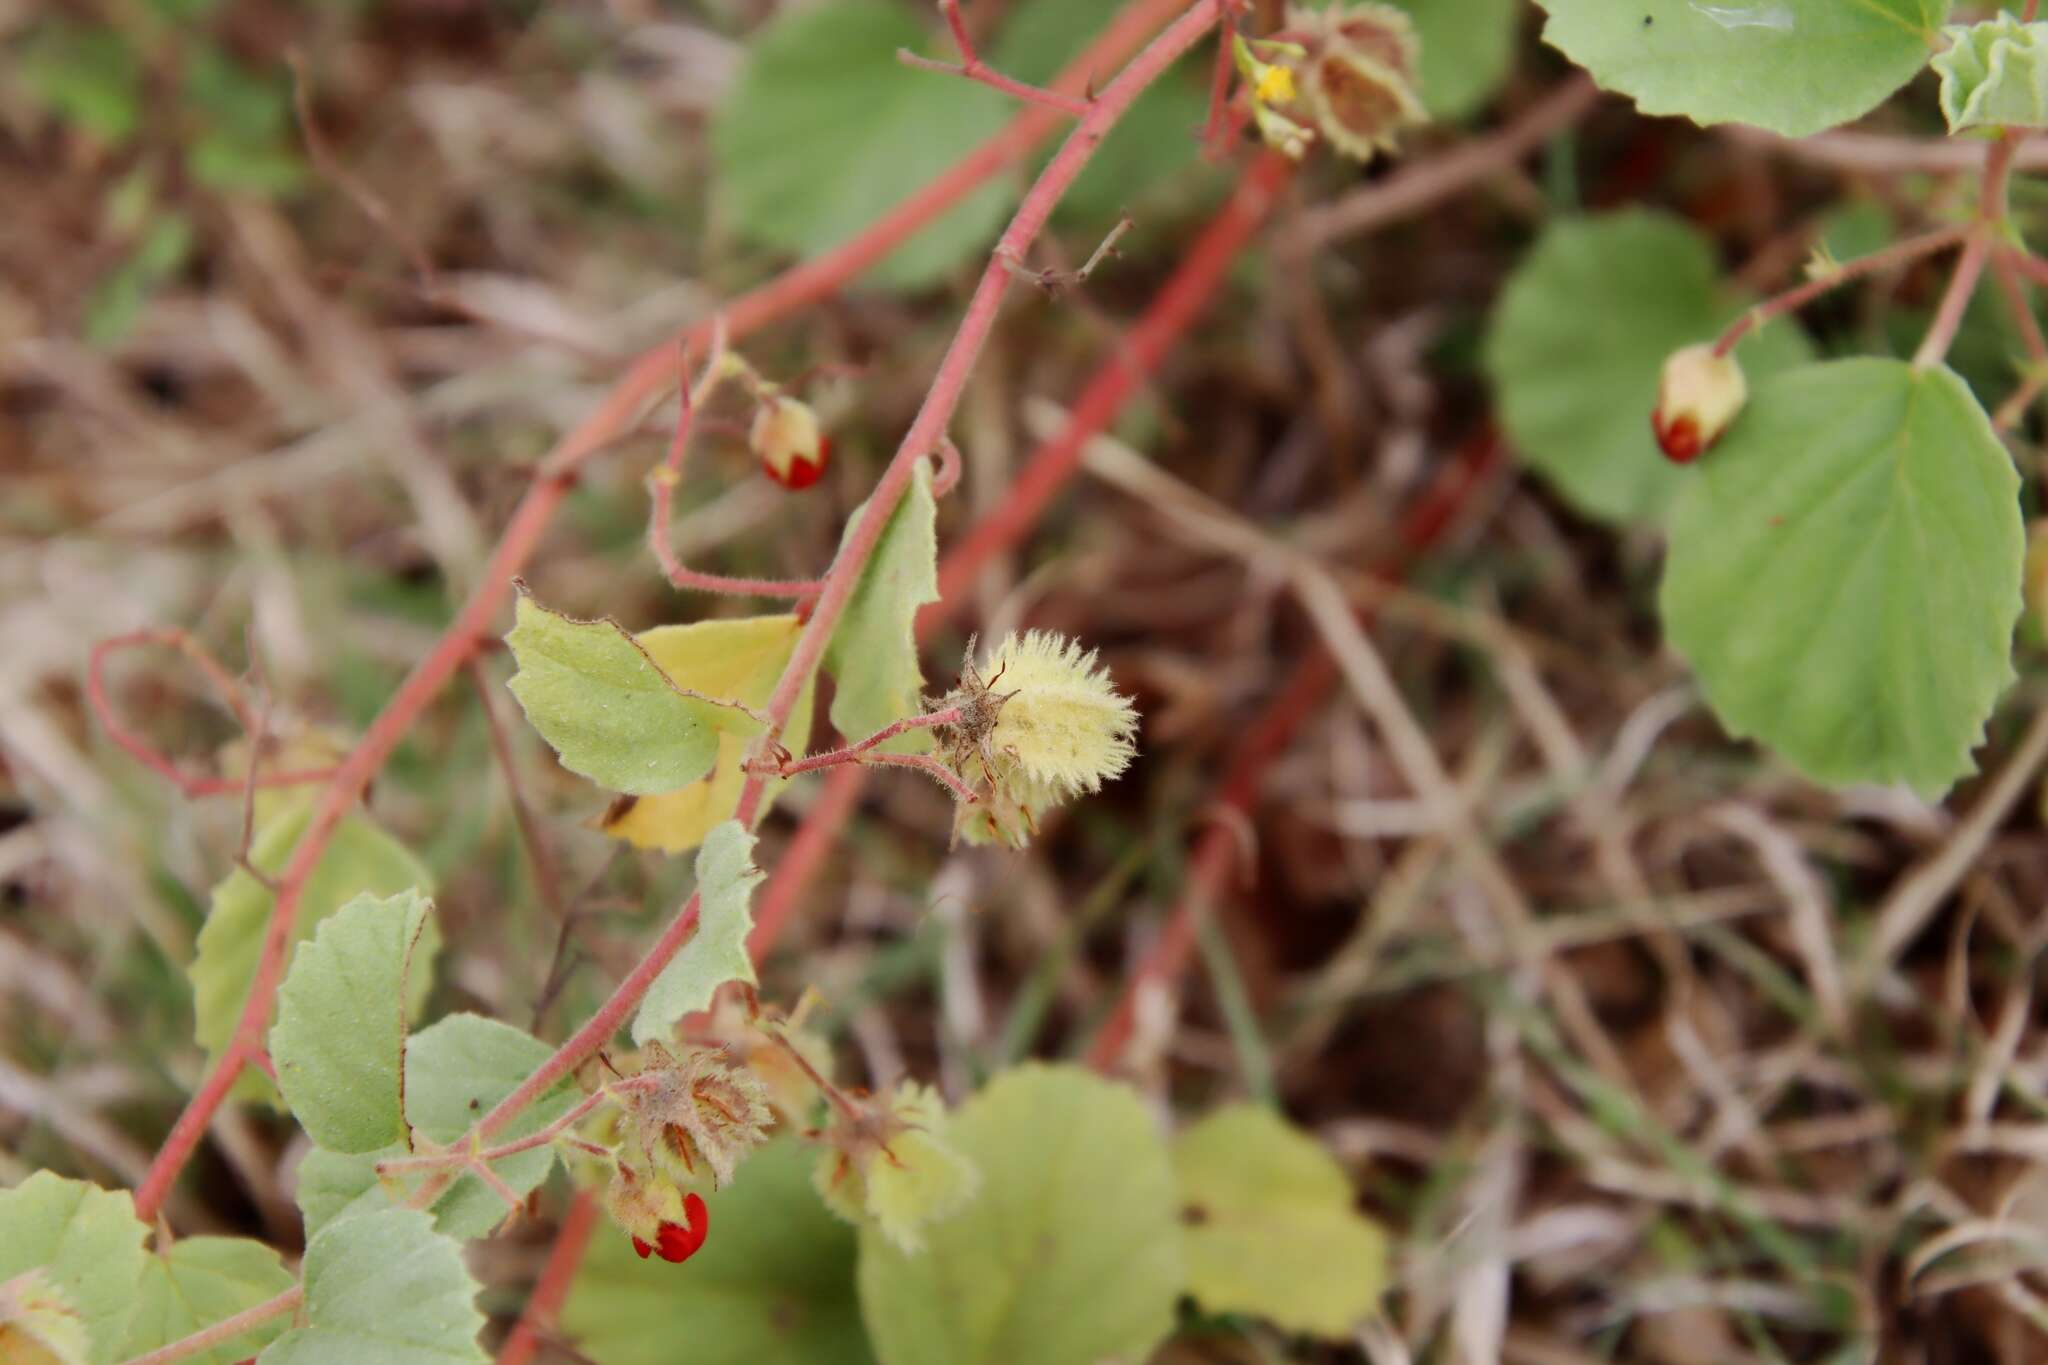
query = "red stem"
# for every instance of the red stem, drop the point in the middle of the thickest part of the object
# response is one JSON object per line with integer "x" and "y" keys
{"x": 662, "y": 488}
{"x": 643, "y": 380}
{"x": 143, "y": 752}
{"x": 1218, "y": 851}
{"x": 1892, "y": 257}
{"x": 551, "y": 1291}
{"x": 974, "y": 69}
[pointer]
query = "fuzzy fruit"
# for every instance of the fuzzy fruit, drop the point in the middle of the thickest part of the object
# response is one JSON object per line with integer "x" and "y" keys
{"x": 786, "y": 439}
{"x": 1699, "y": 394}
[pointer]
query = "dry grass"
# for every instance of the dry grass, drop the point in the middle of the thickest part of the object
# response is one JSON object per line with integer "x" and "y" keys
{"x": 1648, "y": 1050}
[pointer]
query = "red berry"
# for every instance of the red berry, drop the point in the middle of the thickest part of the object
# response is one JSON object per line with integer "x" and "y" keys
{"x": 786, "y": 439}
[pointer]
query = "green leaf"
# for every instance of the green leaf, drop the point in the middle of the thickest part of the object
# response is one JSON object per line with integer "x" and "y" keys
{"x": 87, "y": 1243}
{"x": 773, "y": 1284}
{"x": 609, "y": 711}
{"x": 383, "y": 1289}
{"x": 455, "y": 1072}
{"x": 826, "y": 131}
{"x": 361, "y": 860}
{"x": 1579, "y": 338}
{"x": 1793, "y": 66}
{"x": 740, "y": 659}
{"x": 339, "y": 1039}
{"x": 1995, "y": 72}
{"x": 1271, "y": 1225}
{"x": 717, "y": 952}
{"x": 1845, "y": 573}
{"x": 1070, "y": 1253}
{"x": 201, "y": 1281}
{"x": 1153, "y": 152}
{"x": 88, "y": 75}
{"x": 873, "y": 654}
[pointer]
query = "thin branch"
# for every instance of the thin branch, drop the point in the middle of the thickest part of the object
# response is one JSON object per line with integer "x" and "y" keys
{"x": 551, "y": 1291}
{"x": 1991, "y": 213}
{"x": 664, "y": 478}
{"x": 359, "y": 192}
{"x": 1056, "y": 282}
{"x": 541, "y": 1137}
{"x": 547, "y": 876}
{"x": 143, "y": 752}
{"x": 227, "y": 1329}
{"x": 853, "y": 753}
{"x": 974, "y": 68}
{"x": 1893, "y": 257}
{"x": 2005, "y": 270}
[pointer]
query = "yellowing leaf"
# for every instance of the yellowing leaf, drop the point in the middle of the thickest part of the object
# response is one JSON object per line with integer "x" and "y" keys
{"x": 742, "y": 660}
{"x": 717, "y": 952}
{"x": 873, "y": 654}
{"x": 87, "y": 1245}
{"x": 1270, "y": 1227}
{"x": 611, "y": 713}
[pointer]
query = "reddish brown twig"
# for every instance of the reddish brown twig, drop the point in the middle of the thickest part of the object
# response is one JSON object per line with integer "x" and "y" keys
{"x": 974, "y": 68}
{"x": 643, "y": 380}
{"x": 1893, "y": 257}
{"x": 1218, "y": 850}
{"x": 551, "y": 1290}
{"x": 669, "y": 473}
{"x": 863, "y": 753}
{"x": 224, "y": 684}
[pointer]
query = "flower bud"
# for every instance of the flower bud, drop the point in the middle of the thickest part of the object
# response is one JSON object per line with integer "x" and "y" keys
{"x": 1699, "y": 394}
{"x": 786, "y": 439}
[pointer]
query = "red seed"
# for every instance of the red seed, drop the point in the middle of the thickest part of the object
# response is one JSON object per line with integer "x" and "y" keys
{"x": 642, "y": 1247}
{"x": 1680, "y": 441}
{"x": 679, "y": 1243}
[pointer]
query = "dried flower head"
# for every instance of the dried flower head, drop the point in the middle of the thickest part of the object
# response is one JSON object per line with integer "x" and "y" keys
{"x": 698, "y": 1116}
{"x": 888, "y": 1161}
{"x": 1359, "y": 83}
{"x": 658, "y": 1217}
{"x": 1040, "y": 724}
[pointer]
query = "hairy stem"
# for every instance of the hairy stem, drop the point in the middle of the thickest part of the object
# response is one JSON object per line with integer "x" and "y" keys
{"x": 1891, "y": 258}
{"x": 227, "y": 1329}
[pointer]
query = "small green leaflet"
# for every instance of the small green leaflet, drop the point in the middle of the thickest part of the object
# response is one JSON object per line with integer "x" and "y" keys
{"x": 1271, "y": 1227}
{"x": 201, "y": 1281}
{"x": 1579, "y": 338}
{"x": 383, "y": 1287}
{"x": 1995, "y": 73}
{"x": 361, "y": 860}
{"x": 873, "y": 654}
{"x": 607, "y": 708}
{"x": 717, "y": 952}
{"x": 339, "y": 1040}
{"x": 1844, "y": 573}
{"x": 1796, "y": 67}
{"x": 87, "y": 1243}
{"x": 1071, "y": 1252}
{"x": 772, "y": 1286}
{"x": 455, "y": 1072}
{"x": 826, "y": 131}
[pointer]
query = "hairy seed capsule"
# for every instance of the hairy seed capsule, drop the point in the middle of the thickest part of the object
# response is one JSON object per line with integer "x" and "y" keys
{"x": 1698, "y": 395}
